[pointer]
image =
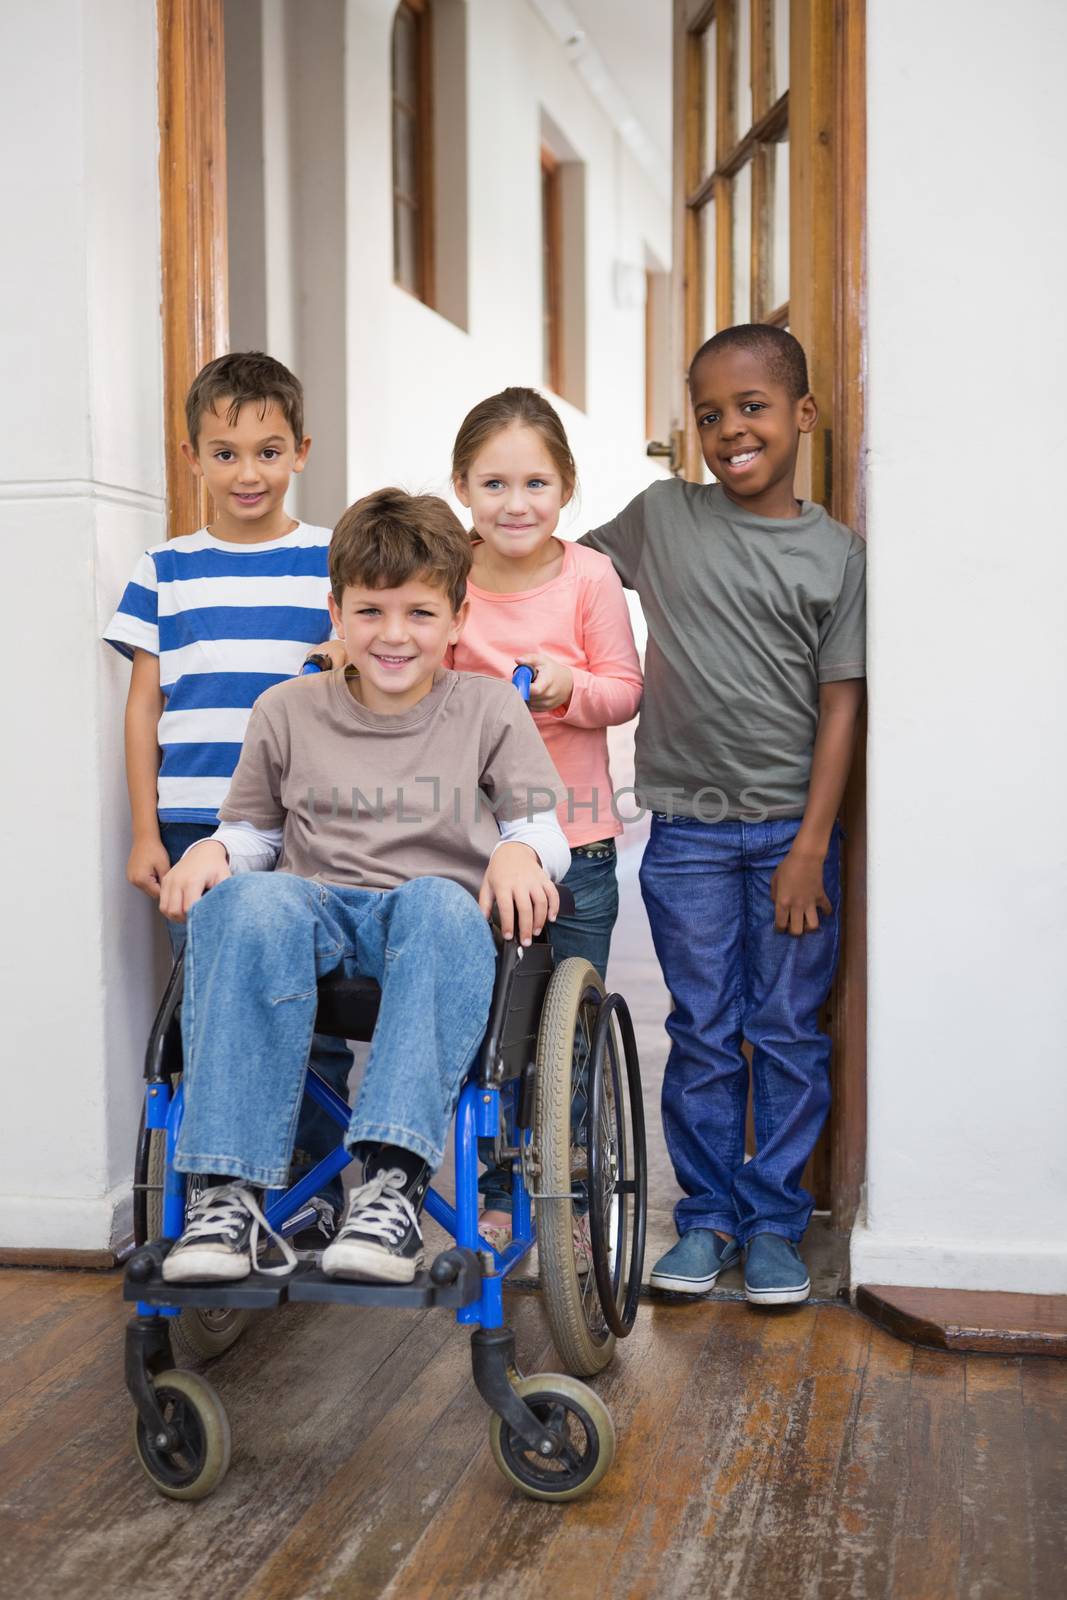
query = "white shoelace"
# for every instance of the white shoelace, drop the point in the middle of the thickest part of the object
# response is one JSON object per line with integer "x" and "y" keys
{"x": 393, "y": 1212}
{"x": 223, "y": 1211}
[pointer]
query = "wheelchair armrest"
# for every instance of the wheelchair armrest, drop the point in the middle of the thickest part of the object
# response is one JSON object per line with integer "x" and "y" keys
{"x": 159, "y": 1058}
{"x": 566, "y": 901}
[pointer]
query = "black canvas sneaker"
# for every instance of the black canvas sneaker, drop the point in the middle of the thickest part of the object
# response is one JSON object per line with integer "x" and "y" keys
{"x": 220, "y": 1241}
{"x": 380, "y": 1239}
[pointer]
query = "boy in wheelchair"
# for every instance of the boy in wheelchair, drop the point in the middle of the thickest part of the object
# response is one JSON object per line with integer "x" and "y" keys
{"x": 400, "y": 803}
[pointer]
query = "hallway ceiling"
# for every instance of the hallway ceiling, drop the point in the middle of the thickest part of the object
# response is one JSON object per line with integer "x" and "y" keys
{"x": 634, "y": 38}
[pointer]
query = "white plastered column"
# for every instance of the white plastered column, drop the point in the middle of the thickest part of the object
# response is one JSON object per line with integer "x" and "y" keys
{"x": 81, "y": 495}
{"x": 967, "y": 1174}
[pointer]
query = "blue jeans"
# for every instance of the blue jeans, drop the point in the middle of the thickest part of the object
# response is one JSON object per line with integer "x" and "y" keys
{"x": 732, "y": 976}
{"x": 592, "y": 881}
{"x": 258, "y": 944}
{"x": 316, "y": 1133}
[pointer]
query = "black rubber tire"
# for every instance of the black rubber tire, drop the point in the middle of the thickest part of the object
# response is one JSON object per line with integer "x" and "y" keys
{"x": 190, "y": 1404}
{"x": 579, "y": 1330}
{"x": 618, "y": 1184}
{"x": 556, "y": 1399}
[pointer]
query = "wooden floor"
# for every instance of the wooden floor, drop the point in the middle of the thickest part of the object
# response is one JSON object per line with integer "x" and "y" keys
{"x": 795, "y": 1455}
{"x": 804, "y": 1453}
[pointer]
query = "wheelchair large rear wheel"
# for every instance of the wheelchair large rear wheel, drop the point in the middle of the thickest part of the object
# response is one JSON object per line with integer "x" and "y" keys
{"x": 197, "y": 1334}
{"x": 580, "y": 1330}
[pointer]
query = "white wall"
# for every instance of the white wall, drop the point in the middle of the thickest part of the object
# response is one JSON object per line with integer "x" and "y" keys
{"x": 81, "y": 476}
{"x": 967, "y": 1182}
{"x": 412, "y": 375}
{"x": 80, "y": 496}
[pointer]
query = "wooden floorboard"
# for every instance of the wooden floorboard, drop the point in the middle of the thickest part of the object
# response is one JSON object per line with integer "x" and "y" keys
{"x": 801, "y": 1453}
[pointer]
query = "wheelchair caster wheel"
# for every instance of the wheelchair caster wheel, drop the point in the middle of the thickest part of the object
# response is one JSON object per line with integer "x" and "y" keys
{"x": 572, "y": 1410}
{"x": 193, "y": 1410}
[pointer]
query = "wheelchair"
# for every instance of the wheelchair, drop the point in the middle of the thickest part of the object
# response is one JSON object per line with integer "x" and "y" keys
{"x": 558, "y": 1067}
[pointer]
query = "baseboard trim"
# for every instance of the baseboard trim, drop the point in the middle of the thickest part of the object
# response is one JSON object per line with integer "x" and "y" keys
{"x": 80, "y": 1260}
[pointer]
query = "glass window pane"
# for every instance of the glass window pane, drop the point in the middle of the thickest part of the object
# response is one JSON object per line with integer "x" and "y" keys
{"x": 405, "y": 247}
{"x": 781, "y": 48}
{"x": 741, "y": 299}
{"x": 405, "y": 71}
{"x": 405, "y": 163}
{"x": 708, "y": 52}
{"x": 742, "y": 67}
{"x": 707, "y": 245}
{"x": 780, "y": 227}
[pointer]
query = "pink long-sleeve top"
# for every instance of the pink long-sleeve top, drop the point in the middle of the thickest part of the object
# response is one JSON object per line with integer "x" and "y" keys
{"x": 579, "y": 617}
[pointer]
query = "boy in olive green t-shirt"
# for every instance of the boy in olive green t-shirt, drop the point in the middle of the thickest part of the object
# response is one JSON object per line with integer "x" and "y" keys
{"x": 754, "y": 680}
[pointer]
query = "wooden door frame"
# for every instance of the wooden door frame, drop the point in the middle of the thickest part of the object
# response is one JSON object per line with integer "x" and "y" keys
{"x": 827, "y": 141}
{"x": 192, "y": 199}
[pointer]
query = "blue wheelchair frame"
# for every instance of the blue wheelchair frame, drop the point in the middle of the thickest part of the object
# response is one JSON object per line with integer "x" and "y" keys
{"x": 478, "y": 1116}
{"x": 469, "y": 1278}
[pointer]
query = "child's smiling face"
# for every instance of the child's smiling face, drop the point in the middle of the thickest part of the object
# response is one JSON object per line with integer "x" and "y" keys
{"x": 396, "y": 639}
{"x": 514, "y": 491}
{"x": 750, "y": 427}
{"x": 247, "y": 463}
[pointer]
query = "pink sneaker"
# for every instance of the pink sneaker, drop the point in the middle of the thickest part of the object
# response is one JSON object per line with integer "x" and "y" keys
{"x": 583, "y": 1245}
{"x": 498, "y": 1234}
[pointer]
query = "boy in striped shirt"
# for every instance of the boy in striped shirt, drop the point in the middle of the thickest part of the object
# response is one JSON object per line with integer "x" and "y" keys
{"x": 212, "y": 619}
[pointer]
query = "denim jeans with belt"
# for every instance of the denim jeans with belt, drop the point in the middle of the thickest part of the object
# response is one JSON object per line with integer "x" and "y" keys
{"x": 257, "y": 946}
{"x": 316, "y": 1133}
{"x": 587, "y": 933}
{"x": 732, "y": 976}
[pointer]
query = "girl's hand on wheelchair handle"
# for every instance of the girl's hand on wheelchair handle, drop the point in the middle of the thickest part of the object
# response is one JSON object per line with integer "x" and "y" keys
{"x": 523, "y": 892}
{"x": 199, "y": 870}
{"x": 553, "y": 682}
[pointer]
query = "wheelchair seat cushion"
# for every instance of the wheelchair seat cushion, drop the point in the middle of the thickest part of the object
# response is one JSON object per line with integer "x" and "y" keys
{"x": 348, "y": 1007}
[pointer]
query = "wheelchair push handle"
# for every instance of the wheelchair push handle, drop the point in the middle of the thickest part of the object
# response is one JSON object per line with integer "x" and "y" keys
{"x": 522, "y": 678}
{"x": 315, "y": 664}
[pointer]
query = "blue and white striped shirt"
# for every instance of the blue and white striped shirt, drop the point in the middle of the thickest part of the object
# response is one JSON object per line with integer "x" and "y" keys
{"x": 226, "y": 621}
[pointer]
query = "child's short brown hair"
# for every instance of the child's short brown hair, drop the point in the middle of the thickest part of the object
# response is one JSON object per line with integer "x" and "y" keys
{"x": 245, "y": 377}
{"x": 390, "y": 537}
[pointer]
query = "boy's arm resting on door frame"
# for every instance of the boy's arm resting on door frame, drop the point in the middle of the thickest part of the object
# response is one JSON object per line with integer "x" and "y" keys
{"x": 797, "y": 885}
{"x": 148, "y": 862}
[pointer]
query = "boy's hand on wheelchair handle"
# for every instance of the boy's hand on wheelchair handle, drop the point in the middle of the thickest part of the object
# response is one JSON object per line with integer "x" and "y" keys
{"x": 147, "y": 866}
{"x": 199, "y": 870}
{"x": 521, "y": 889}
{"x": 799, "y": 893}
{"x": 553, "y": 682}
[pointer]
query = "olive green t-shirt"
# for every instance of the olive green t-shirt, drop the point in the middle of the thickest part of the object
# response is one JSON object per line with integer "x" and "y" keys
{"x": 746, "y": 616}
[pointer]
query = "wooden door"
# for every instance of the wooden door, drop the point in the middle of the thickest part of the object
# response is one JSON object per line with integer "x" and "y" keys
{"x": 192, "y": 193}
{"x": 769, "y": 184}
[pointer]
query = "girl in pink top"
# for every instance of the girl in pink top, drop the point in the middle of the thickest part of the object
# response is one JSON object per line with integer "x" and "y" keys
{"x": 559, "y": 608}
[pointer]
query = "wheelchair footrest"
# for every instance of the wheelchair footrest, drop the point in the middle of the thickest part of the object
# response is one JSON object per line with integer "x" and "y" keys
{"x": 144, "y": 1282}
{"x": 454, "y": 1279}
